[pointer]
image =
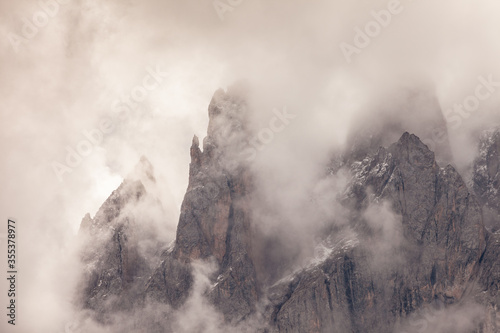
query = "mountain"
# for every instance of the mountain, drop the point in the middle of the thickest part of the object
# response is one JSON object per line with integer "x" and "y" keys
{"x": 486, "y": 177}
{"x": 428, "y": 252}
{"x": 416, "y": 111}
{"x": 412, "y": 255}
{"x": 120, "y": 245}
{"x": 215, "y": 221}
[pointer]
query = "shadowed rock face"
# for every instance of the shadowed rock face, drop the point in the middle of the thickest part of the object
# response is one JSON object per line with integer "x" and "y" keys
{"x": 414, "y": 111}
{"x": 117, "y": 266}
{"x": 215, "y": 218}
{"x": 415, "y": 236}
{"x": 486, "y": 177}
{"x": 438, "y": 241}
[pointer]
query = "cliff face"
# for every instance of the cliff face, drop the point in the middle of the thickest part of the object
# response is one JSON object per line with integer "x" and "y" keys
{"x": 415, "y": 236}
{"x": 435, "y": 244}
{"x": 215, "y": 220}
{"x": 414, "y": 111}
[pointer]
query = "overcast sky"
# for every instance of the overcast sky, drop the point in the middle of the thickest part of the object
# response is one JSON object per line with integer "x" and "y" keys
{"x": 65, "y": 73}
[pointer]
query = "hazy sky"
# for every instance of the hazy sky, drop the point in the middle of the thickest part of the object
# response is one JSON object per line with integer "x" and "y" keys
{"x": 65, "y": 72}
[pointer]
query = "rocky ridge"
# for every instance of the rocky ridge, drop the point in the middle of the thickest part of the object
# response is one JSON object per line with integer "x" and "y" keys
{"x": 416, "y": 237}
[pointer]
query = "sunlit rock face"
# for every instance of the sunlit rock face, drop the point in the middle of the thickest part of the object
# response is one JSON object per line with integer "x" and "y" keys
{"x": 414, "y": 238}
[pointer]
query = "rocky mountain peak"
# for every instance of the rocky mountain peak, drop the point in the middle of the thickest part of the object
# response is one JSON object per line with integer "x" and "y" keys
{"x": 414, "y": 235}
{"x": 127, "y": 194}
{"x": 130, "y": 191}
{"x": 414, "y": 110}
{"x": 196, "y": 156}
{"x": 215, "y": 221}
{"x": 412, "y": 150}
{"x": 86, "y": 223}
{"x": 196, "y": 142}
{"x": 227, "y": 128}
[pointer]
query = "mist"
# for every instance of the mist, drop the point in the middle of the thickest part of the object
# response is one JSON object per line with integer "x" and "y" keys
{"x": 91, "y": 60}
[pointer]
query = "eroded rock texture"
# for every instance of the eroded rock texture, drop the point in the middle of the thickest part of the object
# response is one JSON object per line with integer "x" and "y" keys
{"x": 415, "y": 236}
{"x": 215, "y": 219}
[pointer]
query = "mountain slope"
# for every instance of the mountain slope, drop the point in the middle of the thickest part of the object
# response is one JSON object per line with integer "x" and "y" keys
{"x": 414, "y": 238}
{"x": 486, "y": 177}
{"x": 426, "y": 247}
{"x": 121, "y": 246}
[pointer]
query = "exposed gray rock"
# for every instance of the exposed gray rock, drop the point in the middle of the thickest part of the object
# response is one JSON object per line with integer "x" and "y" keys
{"x": 442, "y": 240}
{"x": 488, "y": 283}
{"x": 486, "y": 177}
{"x": 415, "y": 236}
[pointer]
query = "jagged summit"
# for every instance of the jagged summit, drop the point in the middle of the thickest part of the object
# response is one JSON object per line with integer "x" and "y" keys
{"x": 196, "y": 142}
{"x": 227, "y": 134}
{"x": 128, "y": 193}
{"x": 143, "y": 170}
{"x": 413, "y": 150}
{"x": 132, "y": 189}
{"x": 413, "y": 234}
{"x": 85, "y": 224}
{"x": 486, "y": 176}
{"x": 410, "y": 139}
{"x": 125, "y": 239}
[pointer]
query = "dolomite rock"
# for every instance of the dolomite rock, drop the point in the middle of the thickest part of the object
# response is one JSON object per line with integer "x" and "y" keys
{"x": 116, "y": 262}
{"x": 415, "y": 236}
{"x": 443, "y": 239}
{"x": 215, "y": 218}
{"x": 486, "y": 177}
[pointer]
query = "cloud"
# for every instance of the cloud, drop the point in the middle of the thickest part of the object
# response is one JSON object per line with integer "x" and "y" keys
{"x": 198, "y": 315}
{"x": 385, "y": 230}
{"x": 65, "y": 79}
{"x": 440, "y": 318}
